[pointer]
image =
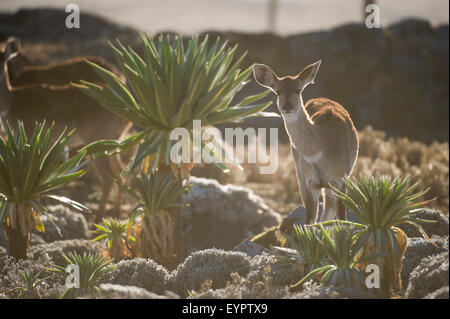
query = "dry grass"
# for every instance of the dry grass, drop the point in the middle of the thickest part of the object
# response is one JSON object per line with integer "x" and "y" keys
{"x": 378, "y": 155}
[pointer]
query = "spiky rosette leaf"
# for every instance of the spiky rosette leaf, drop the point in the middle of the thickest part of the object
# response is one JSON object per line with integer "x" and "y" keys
{"x": 307, "y": 243}
{"x": 381, "y": 204}
{"x": 341, "y": 244}
{"x": 117, "y": 238}
{"x": 89, "y": 267}
{"x": 31, "y": 168}
{"x": 169, "y": 87}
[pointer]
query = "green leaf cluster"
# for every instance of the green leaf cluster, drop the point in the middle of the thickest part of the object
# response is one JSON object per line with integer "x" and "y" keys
{"x": 168, "y": 87}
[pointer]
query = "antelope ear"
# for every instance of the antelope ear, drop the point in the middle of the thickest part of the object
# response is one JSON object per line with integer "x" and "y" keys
{"x": 13, "y": 45}
{"x": 264, "y": 75}
{"x": 308, "y": 74}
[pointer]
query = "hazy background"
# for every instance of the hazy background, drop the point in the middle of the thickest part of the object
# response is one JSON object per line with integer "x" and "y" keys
{"x": 293, "y": 16}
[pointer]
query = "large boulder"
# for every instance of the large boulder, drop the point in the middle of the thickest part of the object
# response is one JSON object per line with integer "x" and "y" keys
{"x": 72, "y": 225}
{"x": 429, "y": 276}
{"x": 221, "y": 216}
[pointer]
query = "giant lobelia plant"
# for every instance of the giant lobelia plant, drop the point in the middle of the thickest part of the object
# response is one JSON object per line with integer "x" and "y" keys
{"x": 31, "y": 168}
{"x": 382, "y": 204}
{"x": 168, "y": 87}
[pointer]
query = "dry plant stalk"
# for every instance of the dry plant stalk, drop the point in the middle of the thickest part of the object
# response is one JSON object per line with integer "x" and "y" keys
{"x": 154, "y": 237}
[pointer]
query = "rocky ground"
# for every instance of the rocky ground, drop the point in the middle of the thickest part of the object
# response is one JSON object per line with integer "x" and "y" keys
{"x": 239, "y": 269}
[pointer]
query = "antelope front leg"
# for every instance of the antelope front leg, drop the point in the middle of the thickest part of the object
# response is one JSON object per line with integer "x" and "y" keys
{"x": 330, "y": 203}
{"x": 333, "y": 207}
{"x": 309, "y": 193}
{"x": 310, "y": 196}
{"x": 341, "y": 211}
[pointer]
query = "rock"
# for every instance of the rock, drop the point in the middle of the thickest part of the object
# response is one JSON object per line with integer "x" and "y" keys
{"x": 268, "y": 237}
{"x": 250, "y": 248}
{"x": 139, "y": 272}
{"x": 430, "y": 275}
{"x": 222, "y": 216}
{"x": 441, "y": 293}
{"x": 417, "y": 249}
{"x": 56, "y": 249}
{"x": 112, "y": 291}
{"x": 209, "y": 264}
{"x": 315, "y": 291}
{"x": 72, "y": 225}
{"x": 440, "y": 227}
{"x": 298, "y": 217}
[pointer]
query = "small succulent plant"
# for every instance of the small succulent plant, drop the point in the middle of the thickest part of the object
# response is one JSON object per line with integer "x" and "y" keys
{"x": 117, "y": 237}
{"x": 29, "y": 288}
{"x": 90, "y": 269}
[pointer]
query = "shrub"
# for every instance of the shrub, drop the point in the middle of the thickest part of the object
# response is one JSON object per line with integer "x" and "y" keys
{"x": 430, "y": 275}
{"x": 140, "y": 272}
{"x": 57, "y": 249}
{"x": 378, "y": 155}
{"x": 241, "y": 288}
{"x": 209, "y": 264}
{"x": 419, "y": 248}
{"x": 268, "y": 268}
{"x": 11, "y": 277}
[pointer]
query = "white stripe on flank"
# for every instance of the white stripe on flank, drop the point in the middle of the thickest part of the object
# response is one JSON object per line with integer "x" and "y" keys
{"x": 313, "y": 159}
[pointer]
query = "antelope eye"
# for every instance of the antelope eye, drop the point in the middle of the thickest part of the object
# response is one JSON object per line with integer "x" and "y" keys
{"x": 277, "y": 92}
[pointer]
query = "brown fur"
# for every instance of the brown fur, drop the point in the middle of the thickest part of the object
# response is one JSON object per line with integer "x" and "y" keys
{"x": 323, "y": 139}
{"x": 60, "y": 73}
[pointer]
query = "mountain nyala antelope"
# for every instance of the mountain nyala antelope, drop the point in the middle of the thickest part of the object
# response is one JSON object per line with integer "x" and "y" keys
{"x": 323, "y": 139}
{"x": 36, "y": 92}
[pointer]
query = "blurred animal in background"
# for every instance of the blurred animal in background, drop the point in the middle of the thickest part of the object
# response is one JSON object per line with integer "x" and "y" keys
{"x": 324, "y": 141}
{"x": 33, "y": 93}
